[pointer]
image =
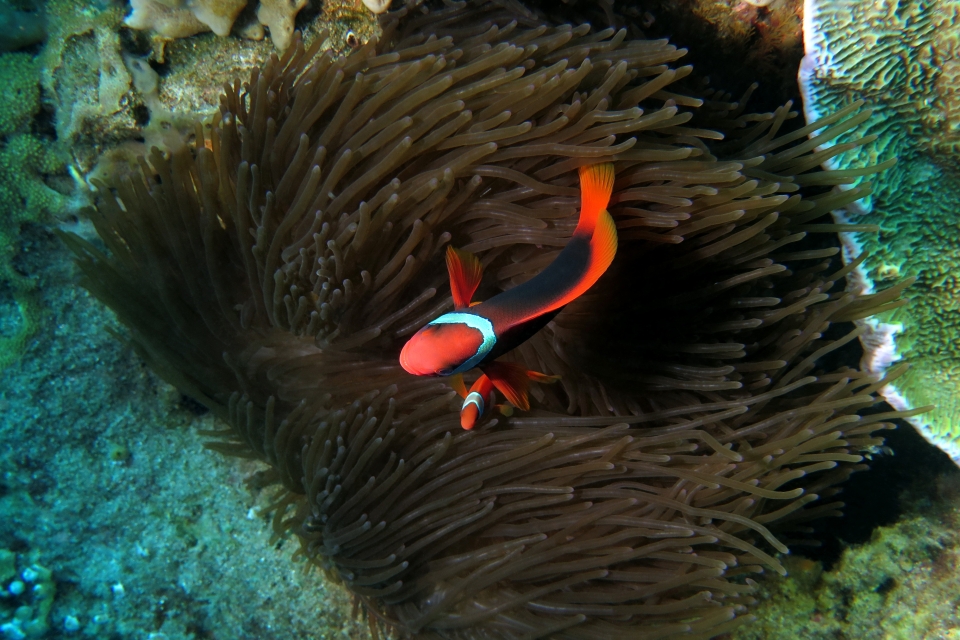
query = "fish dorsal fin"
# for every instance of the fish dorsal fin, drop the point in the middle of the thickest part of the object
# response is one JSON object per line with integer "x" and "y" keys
{"x": 512, "y": 381}
{"x": 456, "y": 381}
{"x": 465, "y": 272}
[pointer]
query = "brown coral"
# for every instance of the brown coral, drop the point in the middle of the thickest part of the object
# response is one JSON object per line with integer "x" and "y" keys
{"x": 274, "y": 272}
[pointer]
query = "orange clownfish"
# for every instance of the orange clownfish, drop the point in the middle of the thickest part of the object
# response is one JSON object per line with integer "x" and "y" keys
{"x": 475, "y": 335}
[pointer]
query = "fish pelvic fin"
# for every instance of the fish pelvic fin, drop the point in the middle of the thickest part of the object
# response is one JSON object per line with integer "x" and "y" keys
{"x": 511, "y": 380}
{"x": 465, "y": 273}
{"x": 596, "y": 185}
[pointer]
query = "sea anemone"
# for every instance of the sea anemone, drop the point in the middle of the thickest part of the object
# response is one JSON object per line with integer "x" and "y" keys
{"x": 273, "y": 268}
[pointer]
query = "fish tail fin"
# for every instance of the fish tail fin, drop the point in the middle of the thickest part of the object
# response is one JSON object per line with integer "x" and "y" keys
{"x": 465, "y": 272}
{"x": 603, "y": 246}
{"x": 596, "y": 185}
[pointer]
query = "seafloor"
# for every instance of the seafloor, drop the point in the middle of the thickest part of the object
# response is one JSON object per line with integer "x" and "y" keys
{"x": 116, "y": 522}
{"x": 106, "y": 484}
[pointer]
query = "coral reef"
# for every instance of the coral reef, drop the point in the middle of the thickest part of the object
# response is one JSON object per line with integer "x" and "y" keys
{"x": 910, "y": 83}
{"x": 299, "y": 245}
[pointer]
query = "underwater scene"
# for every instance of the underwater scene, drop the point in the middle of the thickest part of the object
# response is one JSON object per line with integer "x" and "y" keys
{"x": 463, "y": 319}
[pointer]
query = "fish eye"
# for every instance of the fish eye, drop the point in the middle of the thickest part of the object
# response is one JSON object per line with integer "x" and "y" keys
{"x": 352, "y": 40}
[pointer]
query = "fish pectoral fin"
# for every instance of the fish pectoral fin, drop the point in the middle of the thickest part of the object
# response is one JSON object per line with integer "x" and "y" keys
{"x": 512, "y": 381}
{"x": 465, "y": 272}
{"x": 505, "y": 410}
{"x": 542, "y": 378}
{"x": 456, "y": 381}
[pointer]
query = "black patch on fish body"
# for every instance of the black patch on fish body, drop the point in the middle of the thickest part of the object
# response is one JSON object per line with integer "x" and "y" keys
{"x": 518, "y": 313}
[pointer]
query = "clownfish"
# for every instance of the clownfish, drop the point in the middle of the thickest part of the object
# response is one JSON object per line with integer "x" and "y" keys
{"x": 476, "y": 334}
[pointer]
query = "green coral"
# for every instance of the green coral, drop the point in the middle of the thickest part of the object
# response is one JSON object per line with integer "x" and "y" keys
{"x": 19, "y": 84}
{"x": 903, "y": 60}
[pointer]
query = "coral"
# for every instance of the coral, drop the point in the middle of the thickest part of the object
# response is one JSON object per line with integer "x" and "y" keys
{"x": 24, "y": 198}
{"x": 302, "y": 240}
{"x": 19, "y": 89}
{"x": 167, "y": 22}
{"x": 26, "y": 161}
{"x": 377, "y": 6}
{"x": 27, "y": 591}
{"x": 910, "y": 84}
{"x": 278, "y": 17}
{"x": 172, "y": 19}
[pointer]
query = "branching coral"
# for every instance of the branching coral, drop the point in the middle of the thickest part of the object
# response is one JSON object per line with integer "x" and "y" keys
{"x": 274, "y": 271}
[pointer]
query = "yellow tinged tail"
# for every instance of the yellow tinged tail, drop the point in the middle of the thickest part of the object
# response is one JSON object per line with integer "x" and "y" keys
{"x": 596, "y": 185}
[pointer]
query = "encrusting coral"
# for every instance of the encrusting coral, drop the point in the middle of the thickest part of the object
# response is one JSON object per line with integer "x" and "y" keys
{"x": 274, "y": 269}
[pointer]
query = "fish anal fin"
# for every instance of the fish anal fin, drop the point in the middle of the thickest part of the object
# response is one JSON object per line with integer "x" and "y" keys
{"x": 465, "y": 273}
{"x": 456, "y": 381}
{"x": 512, "y": 381}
